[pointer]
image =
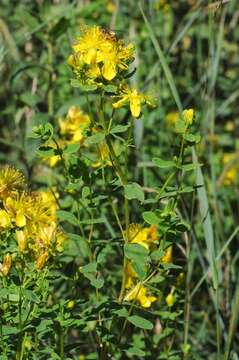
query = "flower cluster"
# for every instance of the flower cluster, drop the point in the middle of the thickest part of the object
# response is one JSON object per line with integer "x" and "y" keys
{"x": 30, "y": 217}
{"x": 100, "y": 59}
{"x": 75, "y": 128}
{"x": 72, "y": 130}
{"x": 98, "y": 55}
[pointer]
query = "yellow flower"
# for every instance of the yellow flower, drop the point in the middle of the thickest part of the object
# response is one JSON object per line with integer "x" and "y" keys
{"x": 143, "y": 236}
{"x": 103, "y": 155}
{"x": 172, "y": 117}
{"x": 130, "y": 276}
{"x": 168, "y": 256}
{"x": 18, "y": 206}
{"x": 230, "y": 126}
{"x": 89, "y": 44}
{"x": 5, "y": 220}
{"x": 73, "y": 126}
{"x": 114, "y": 57}
{"x": 133, "y": 98}
{"x": 110, "y": 6}
{"x": 5, "y": 267}
{"x": 188, "y": 116}
{"x": 139, "y": 293}
{"x": 10, "y": 180}
{"x": 231, "y": 169}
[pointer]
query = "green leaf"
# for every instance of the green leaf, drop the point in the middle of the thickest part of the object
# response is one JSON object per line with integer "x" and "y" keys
{"x": 135, "y": 252}
{"x": 138, "y": 255}
{"x": 67, "y": 216}
{"x": 140, "y": 322}
{"x": 89, "y": 268}
{"x": 119, "y": 129}
{"x": 9, "y": 330}
{"x": 133, "y": 351}
{"x": 122, "y": 312}
{"x": 71, "y": 148}
{"x": 164, "y": 163}
{"x": 134, "y": 191}
{"x": 190, "y": 167}
{"x": 151, "y": 218}
{"x": 95, "y": 139}
{"x": 192, "y": 138}
{"x": 29, "y": 99}
{"x": 59, "y": 28}
{"x": 46, "y": 151}
{"x": 84, "y": 87}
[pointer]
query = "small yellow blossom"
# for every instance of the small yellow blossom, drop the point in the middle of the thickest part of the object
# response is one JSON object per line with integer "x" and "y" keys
{"x": 130, "y": 275}
{"x": 172, "y": 117}
{"x": 5, "y": 220}
{"x": 133, "y": 98}
{"x": 114, "y": 58}
{"x": 230, "y": 126}
{"x": 103, "y": 155}
{"x": 168, "y": 256}
{"x": 89, "y": 45}
{"x": 143, "y": 236}
{"x": 73, "y": 126}
{"x": 140, "y": 293}
{"x": 110, "y": 6}
{"x": 231, "y": 169}
{"x": 188, "y": 116}
{"x": 10, "y": 180}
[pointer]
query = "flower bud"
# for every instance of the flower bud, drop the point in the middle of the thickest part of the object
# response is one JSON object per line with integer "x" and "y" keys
{"x": 170, "y": 299}
{"x": 168, "y": 256}
{"x": 5, "y": 220}
{"x": 21, "y": 240}
{"x": 20, "y": 219}
{"x": 6, "y": 265}
{"x": 70, "y": 304}
{"x": 40, "y": 263}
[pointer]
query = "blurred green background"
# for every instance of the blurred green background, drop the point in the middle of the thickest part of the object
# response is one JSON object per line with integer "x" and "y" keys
{"x": 199, "y": 41}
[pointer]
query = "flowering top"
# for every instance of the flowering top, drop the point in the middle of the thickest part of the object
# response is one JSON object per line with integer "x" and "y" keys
{"x": 31, "y": 217}
{"x": 98, "y": 55}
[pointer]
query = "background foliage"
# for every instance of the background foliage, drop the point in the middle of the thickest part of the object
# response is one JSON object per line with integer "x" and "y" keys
{"x": 186, "y": 57}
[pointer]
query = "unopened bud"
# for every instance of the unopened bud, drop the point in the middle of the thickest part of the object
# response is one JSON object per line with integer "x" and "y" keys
{"x": 6, "y": 265}
{"x": 42, "y": 260}
{"x": 5, "y": 220}
{"x": 168, "y": 256}
{"x": 170, "y": 299}
{"x": 21, "y": 240}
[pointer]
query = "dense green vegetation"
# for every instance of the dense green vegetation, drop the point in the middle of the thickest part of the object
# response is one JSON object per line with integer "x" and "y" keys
{"x": 119, "y": 165}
